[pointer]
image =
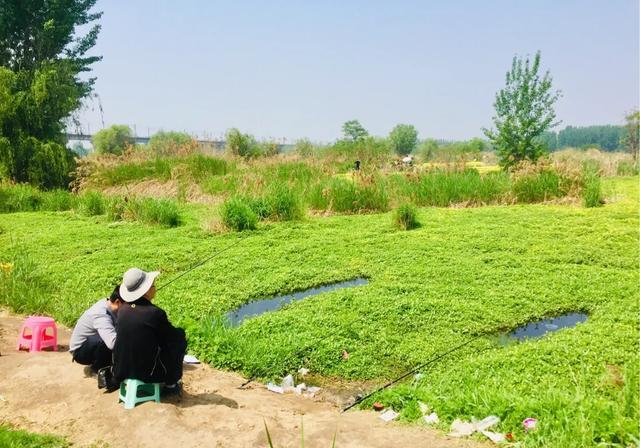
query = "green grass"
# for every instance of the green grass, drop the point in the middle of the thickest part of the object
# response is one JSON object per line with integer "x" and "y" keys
{"x": 236, "y": 214}
{"x": 464, "y": 272}
{"x": 12, "y": 438}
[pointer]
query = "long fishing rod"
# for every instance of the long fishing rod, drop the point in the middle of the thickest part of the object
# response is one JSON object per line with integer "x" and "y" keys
{"x": 422, "y": 366}
{"x": 200, "y": 263}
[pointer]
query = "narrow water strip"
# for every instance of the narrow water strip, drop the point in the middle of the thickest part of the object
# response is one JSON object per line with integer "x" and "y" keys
{"x": 539, "y": 328}
{"x": 252, "y": 309}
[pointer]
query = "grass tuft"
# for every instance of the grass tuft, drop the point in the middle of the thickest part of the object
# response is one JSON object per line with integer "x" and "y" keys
{"x": 236, "y": 214}
{"x": 92, "y": 203}
{"x": 405, "y": 217}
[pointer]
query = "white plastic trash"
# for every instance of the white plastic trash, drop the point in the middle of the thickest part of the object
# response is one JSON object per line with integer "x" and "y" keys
{"x": 287, "y": 382}
{"x": 389, "y": 415}
{"x": 190, "y": 359}
{"x": 460, "y": 428}
{"x": 487, "y": 423}
{"x": 302, "y": 371}
{"x": 431, "y": 419}
{"x": 495, "y": 437}
{"x": 274, "y": 388}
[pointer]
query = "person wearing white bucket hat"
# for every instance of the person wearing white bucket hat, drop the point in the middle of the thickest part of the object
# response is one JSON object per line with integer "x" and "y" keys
{"x": 148, "y": 348}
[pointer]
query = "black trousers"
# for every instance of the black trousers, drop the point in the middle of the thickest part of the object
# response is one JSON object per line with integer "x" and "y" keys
{"x": 172, "y": 357}
{"x": 93, "y": 352}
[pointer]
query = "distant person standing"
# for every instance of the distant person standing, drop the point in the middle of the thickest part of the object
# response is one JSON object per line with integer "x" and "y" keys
{"x": 148, "y": 347}
{"x": 94, "y": 335}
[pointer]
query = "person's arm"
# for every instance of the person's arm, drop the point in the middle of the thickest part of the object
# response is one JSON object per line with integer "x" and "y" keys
{"x": 103, "y": 323}
{"x": 166, "y": 331}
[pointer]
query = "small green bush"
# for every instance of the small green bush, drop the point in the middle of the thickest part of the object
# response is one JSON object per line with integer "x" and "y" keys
{"x": 537, "y": 187}
{"x": 201, "y": 166}
{"x": 284, "y": 204}
{"x": 592, "y": 191}
{"x": 156, "y": 211}
{"x": 346, "y": 196}
{"x": 19, "y": 198}
{"x": 405, "y": 217}
{"x": 169, "y": 142}
{"x": 58, "y": 201}
{"x": 112, "y": 140}
{"x": 260, "y": 206}
{"x": 116, "y": 208}
{"x": 237, "y": 215}
{"x": 625, "y": 168}
{"x": 92, "y": 204}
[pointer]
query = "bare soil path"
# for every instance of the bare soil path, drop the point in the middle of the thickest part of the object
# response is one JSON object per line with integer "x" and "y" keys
{"x": 45, "y": 392}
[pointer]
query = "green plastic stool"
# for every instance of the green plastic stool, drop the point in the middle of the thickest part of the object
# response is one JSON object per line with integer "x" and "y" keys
{"x": 129, "y": 392}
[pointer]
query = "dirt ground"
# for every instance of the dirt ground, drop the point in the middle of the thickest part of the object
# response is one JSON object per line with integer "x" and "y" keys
{"x": 46, "y": 393}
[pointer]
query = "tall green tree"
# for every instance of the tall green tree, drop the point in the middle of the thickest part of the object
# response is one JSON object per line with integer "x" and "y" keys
{"x": 524, "y": 111}
{"x": 353, "y": 131}
{"x": 631, "y": 140}
{"x": 41, "y": 62}
{"x": 113, "y": 140}
{"x": 404, "y": 139}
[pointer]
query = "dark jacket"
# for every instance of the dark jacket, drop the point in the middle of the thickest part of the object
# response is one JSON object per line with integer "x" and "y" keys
{"x": 143, "y": 332}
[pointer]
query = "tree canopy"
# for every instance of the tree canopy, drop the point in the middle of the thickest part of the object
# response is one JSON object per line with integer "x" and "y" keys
{"x": 353, "y": 131}
{"x": 41, "y": 60}
{"x": 404, "y": 139}
{"x": 524, "y": 111}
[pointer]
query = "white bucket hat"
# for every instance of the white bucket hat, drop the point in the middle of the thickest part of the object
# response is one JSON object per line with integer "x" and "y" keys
{"x": 136, "y": 283}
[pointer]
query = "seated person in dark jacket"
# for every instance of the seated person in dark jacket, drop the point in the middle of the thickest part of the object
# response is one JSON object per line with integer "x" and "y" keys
{"x": 148, "y": 348}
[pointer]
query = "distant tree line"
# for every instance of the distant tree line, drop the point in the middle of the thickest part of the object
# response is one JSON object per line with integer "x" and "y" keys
{"x": 606, "y": 137}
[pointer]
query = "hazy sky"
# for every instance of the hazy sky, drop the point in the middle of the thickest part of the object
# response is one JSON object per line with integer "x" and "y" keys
{"x": 300, "y": 69}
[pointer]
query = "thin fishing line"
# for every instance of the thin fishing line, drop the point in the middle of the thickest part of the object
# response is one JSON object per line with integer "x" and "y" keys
{"x": 200, "y": 263}
{"x": 431, "y": 361}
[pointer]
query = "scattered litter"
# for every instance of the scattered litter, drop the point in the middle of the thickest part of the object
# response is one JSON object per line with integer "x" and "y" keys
{"x": 461, "y": 428}
{"x": 302, "y": 371}
{"x": 530, "y": 424}
{"x": 418, "y": 376}
{"x": 431, "y": 419}
{"x": 2, "y": 398}
{"x": 300, "y": 388}
{"x": 495, "y": 437}
{"x": 345, "y": 355}
{"x": 487, "y": 423}
{"x": 377, "y": 406}
{"x": 288, "y": 385}
{"x": 509, "y": 437}
{"x": 190, "y": 359}
{"x": 273, "y": 388}
{"x": 389, "y": 415}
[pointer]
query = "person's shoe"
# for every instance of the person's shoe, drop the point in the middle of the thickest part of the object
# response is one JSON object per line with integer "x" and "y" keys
{"x": 104, "y": 375}
{"x": 169, "y": 390}
{"x": 112, "y": 384}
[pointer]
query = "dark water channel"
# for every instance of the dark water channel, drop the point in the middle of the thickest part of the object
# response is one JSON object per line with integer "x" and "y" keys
{"x": 539, "y": 328}
{"x": 256, "y": 308}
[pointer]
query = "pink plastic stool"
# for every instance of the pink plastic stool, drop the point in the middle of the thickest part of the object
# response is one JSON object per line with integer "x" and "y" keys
{"x": 38, "y": 337}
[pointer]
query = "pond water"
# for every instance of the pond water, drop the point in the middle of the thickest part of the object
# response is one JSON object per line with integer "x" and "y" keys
{"x": 539, "y": 328}
{"x": 258, "y": 307}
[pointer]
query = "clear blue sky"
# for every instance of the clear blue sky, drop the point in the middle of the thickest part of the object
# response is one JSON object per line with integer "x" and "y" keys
{"x": 300, "y": 69}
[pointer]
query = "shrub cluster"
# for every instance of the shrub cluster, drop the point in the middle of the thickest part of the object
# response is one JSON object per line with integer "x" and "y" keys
{"x": 25, "y": 198}
{"x": 405, "y": 217}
